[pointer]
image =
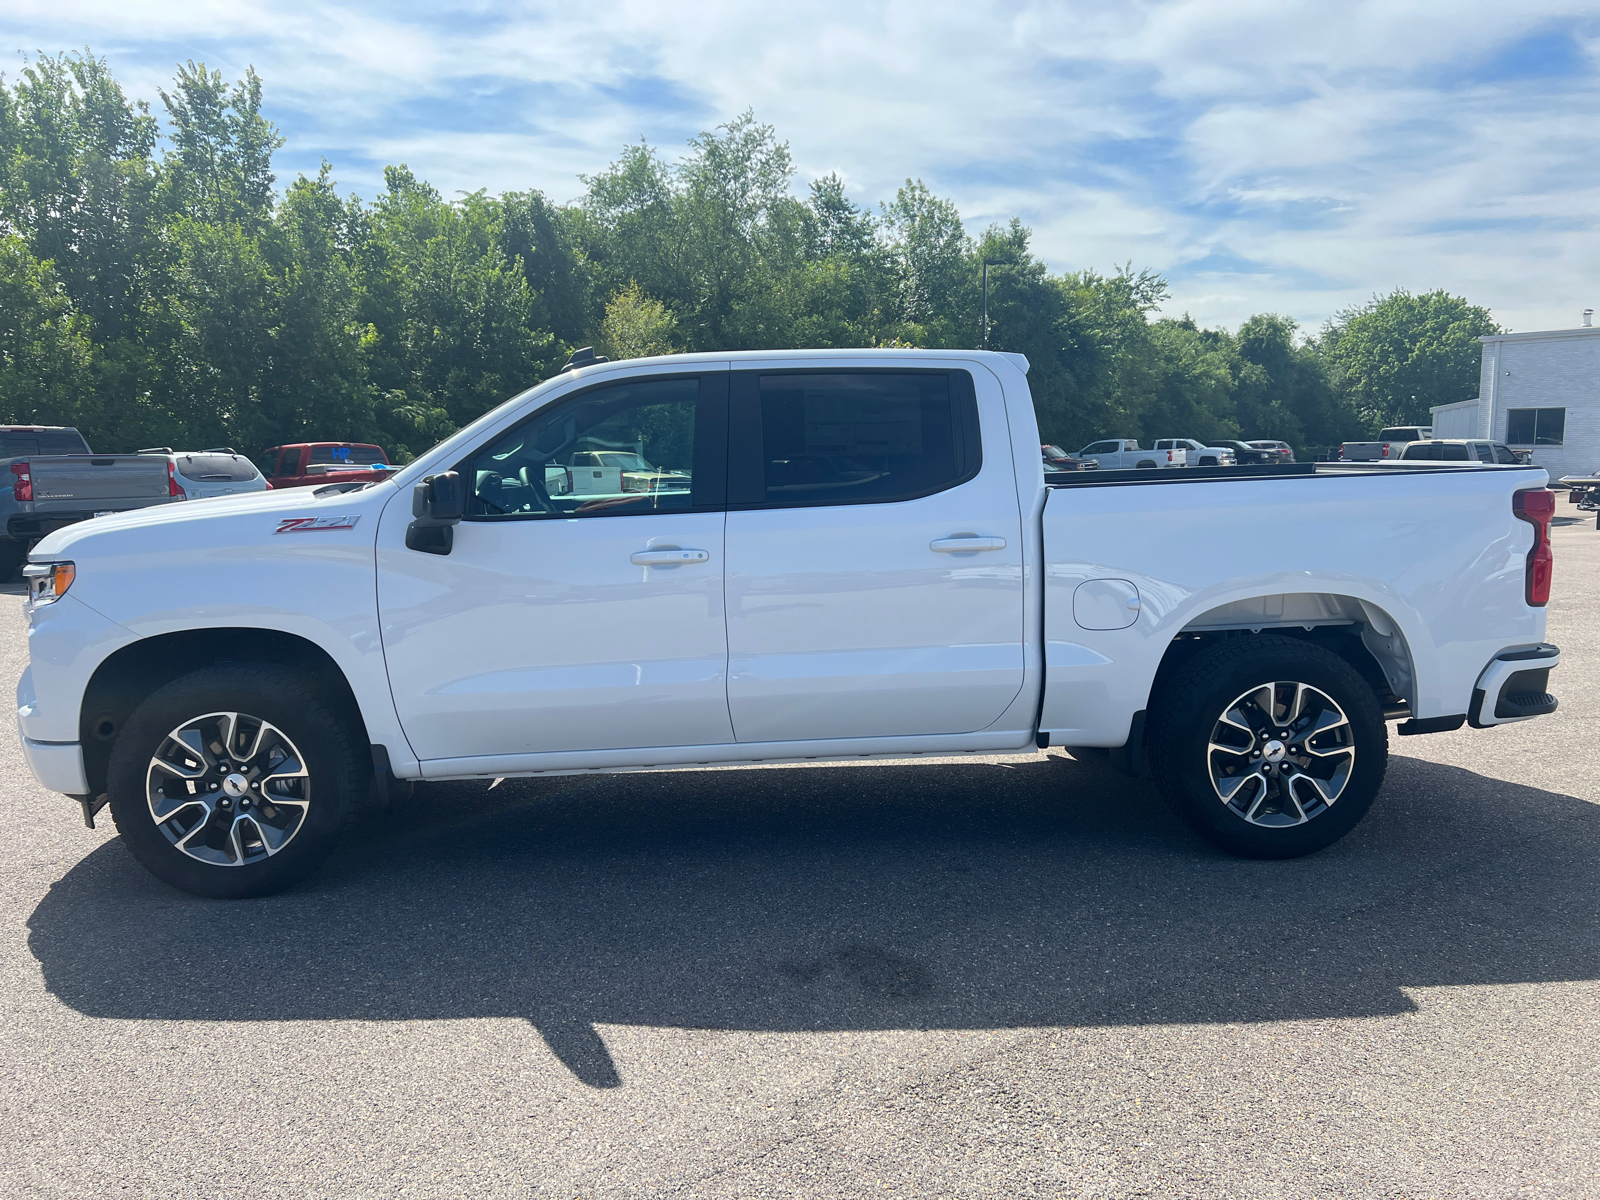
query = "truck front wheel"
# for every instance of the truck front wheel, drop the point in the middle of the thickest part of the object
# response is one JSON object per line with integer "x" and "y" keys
{"x": 236, "y": 781}
{"x": 1268, "y": 746}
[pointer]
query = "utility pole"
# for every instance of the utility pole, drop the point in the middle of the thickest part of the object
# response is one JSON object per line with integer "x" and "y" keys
{"x": 986, "y": 263}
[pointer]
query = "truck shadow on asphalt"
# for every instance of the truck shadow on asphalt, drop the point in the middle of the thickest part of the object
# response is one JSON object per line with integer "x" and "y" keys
{"x": 1051, "y": 893}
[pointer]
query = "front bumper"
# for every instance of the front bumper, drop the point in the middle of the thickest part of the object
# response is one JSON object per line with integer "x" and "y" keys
{"x": 1514, "y": 687}
{"x": 57, "y": 765}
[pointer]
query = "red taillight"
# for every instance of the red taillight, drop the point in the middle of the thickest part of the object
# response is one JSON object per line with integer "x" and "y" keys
{"x": 1386, "y": 449}
{"x": 1536, "y": 506}
{"x": 172, "y": 483}
{"x": 22, "y": 485}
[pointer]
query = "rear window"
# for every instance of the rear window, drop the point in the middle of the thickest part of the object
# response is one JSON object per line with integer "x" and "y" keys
{"x": 216, "y": 468}
{"x": 1437, "y": 452}
{"x": 42, "y": 441}
{"x": 352, "y": 454}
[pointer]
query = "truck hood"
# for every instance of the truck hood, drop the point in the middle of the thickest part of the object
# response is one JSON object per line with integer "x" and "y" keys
{"x": 241, "y": 519}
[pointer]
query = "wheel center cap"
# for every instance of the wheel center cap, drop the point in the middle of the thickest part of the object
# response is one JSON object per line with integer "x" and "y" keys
{"x": 1274, "y": 751}
{"x": 236, "y": 785}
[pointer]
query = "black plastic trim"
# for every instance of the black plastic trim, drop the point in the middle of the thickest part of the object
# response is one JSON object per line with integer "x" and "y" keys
{"x": 1129, "y": 758}
{"x": 1147, "y": 477}
{"x": 1419, "y": 725}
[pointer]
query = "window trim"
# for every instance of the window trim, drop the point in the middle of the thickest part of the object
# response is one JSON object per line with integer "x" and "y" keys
{"x": 746, "y": 476}
{"x": 708, "y": 486}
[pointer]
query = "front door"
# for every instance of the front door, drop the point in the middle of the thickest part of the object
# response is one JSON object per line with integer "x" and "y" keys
{"x": 875, "y": 581}
{"x": 581, "y": 607}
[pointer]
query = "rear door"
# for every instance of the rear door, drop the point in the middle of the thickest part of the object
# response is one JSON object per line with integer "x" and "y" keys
{"x": 875, "y": 583}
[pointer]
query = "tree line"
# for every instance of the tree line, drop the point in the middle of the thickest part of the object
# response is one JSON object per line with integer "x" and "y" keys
{"x": 157, "y": 287}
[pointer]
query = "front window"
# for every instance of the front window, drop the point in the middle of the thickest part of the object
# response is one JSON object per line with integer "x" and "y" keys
{"x": 1536, "y": 426}
{"x": 615, "y": 451}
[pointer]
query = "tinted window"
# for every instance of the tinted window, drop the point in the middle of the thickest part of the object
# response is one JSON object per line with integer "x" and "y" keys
{"x": 1101, "y": 448}
{"x": 353, "y": 454}
{"x": 291, "y": 461}
{"x": 1536, "y": 426}
{"x": 216, "y": 468}
{"x": 616, "y": 451}
{"x": 864, "y": 437}
{"x": 1455, "y": 454}
{"x": 1406, "y": 434}
{"x": 42, "y": 441}
{"x": 1503, "y": 456}
{"x": 1425, "y": 452}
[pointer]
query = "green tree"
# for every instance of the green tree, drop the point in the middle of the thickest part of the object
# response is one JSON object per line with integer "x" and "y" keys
{"x": 636, "y": 326}
{"x": 1399, "y": 355}
{"x": 45, "y": 349}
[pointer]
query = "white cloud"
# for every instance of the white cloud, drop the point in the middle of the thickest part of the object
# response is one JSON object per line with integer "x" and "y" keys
{"x": 1272, "y": 154}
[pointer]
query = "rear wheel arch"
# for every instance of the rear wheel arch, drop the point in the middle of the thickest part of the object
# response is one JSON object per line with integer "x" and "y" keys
{"x": 1358, "y": 631}
{"x": 136, "y": 671}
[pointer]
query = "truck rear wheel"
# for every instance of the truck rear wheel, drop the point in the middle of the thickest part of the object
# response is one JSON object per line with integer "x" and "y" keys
{"x": 1269, "y": 747}
{"x": 236, "y": 781}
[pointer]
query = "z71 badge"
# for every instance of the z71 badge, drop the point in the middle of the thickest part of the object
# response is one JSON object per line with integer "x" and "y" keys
{"x": 314, "y": 524}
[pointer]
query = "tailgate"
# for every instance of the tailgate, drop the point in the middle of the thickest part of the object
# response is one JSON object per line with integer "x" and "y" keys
{"x": 99, "y": 481}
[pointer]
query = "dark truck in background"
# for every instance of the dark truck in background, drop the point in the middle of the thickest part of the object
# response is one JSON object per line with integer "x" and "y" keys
{"x": 49, "y": 478}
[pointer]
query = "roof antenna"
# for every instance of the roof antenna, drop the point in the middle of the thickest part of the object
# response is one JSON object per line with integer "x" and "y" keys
{"x": 582, "y": 358}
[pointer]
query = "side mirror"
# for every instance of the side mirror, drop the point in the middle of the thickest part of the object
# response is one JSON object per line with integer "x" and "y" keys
{"x": 438, "y": 503}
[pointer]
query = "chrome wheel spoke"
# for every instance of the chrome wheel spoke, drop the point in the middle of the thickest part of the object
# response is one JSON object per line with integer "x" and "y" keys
{"x": 244, "y": 760}
{"x": 1228, "y": 785}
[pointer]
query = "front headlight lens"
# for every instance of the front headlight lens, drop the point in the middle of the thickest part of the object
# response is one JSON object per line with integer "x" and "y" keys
{"x": 48, "y": 582}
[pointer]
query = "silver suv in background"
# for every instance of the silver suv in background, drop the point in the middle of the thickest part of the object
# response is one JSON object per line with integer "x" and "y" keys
{"x": 204, "y": 474}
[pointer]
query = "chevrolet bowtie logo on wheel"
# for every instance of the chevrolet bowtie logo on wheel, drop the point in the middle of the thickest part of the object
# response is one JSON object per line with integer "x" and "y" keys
{"x": 314, "y": 524}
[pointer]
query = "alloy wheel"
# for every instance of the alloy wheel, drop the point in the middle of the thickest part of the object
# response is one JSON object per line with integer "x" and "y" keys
{"x": 1281, "y": 754}
{"x": 228, "y": 789}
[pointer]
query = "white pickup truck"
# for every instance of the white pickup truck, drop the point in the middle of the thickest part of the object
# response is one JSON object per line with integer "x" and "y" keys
{"x": 859, "y": 558}
{"x": 1118, "y": 454}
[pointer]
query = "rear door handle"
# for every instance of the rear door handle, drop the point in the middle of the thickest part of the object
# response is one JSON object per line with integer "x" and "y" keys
{"x": 966, "y": 545}
{"x": 668, "y": 558}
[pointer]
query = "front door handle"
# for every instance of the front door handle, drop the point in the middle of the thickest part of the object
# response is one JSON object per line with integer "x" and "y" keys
{"x": 668, "y": 558}
{"x": 966, "y": 545}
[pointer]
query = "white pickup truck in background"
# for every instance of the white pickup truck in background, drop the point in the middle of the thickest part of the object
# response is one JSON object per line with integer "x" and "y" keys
{"x": 1123, "y": 453}
{"x": 856, "y": 556}
{"x": 1197, "y": 454}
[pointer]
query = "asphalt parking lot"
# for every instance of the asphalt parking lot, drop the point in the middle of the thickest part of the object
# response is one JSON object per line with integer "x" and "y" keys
{"x": 998, "y": 977}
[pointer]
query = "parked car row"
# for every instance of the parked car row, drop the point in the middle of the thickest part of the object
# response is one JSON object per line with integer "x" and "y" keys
{"x": 49, "y": 479}
{"x": 1126, "y": 453}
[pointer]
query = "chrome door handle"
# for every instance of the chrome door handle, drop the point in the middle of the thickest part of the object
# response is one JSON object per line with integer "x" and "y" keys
{"x": 966, "y": 545}
{"x": 668, "y": 558}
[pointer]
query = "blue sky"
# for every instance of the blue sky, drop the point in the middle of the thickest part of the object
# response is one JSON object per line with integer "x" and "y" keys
{"x": 1266, "y": 155}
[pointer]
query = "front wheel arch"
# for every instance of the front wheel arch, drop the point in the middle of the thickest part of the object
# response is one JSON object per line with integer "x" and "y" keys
{"x": 135, "y": 671}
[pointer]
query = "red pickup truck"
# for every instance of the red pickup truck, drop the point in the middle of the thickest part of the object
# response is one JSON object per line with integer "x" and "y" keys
{"x": 316, "y": 463}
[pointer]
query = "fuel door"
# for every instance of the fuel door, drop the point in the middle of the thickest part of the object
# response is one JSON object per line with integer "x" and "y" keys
{"x": 1105, "y": 604}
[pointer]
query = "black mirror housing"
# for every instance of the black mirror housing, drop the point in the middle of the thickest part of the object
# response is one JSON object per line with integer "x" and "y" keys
{"x": 438, "y": 503}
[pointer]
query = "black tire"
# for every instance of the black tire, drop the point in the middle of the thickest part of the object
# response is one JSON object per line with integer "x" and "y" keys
{"x": 326, "y": 736}
{"x": 1187, "y": 719}
{"x": 12, "y": 556}
{"x": 1147, "y": 465}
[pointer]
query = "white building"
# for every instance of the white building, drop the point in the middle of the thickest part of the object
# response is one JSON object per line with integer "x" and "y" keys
{"x": 1538, "y": 392}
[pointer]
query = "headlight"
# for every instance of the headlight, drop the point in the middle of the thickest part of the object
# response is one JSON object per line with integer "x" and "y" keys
{"x": 48, "y": 582}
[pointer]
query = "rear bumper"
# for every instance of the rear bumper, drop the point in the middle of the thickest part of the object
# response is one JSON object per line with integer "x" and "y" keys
{"x": 57, "y": 765}
{"x": 1514, "y": 687}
